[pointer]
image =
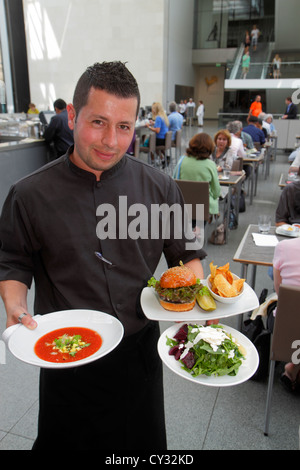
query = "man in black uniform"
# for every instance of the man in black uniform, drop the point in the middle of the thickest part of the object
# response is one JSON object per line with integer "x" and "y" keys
{"x": 52, "y": 225}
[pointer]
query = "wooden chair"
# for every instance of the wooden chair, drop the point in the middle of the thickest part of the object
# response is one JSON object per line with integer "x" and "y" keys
{"x": 177, "y": 144}
{"x": 237, "y": 164}
{"x": 167, "y": 147}
{"x": 285, "y": 345}
{"x": 195, "y": 192}
{"x": 151, "y": 149}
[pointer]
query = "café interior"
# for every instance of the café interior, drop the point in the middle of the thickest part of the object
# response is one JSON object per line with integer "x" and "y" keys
{"x": 200, "y": 56}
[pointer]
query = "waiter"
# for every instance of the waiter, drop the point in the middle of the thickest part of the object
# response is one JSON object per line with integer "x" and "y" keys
{"x": 48, "y": 232}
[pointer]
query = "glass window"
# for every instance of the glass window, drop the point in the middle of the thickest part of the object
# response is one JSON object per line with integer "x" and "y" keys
{"x": 223, "y": 23}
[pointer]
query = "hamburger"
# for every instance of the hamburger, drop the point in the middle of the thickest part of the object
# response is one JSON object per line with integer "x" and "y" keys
{"x": 177, "y": 288}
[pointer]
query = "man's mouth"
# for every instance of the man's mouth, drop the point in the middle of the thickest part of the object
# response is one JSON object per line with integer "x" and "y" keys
{"x": 104, "y": 155}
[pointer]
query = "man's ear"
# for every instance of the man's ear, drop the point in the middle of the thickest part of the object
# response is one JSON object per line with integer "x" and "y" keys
{"x": 71, "y": 116}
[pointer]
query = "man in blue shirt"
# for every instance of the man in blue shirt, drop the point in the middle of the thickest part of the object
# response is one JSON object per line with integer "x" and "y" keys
{"x": 253, "y": 130}
{"x": 175, "y": 120}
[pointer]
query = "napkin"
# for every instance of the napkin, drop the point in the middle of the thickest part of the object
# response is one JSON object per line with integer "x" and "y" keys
{"x": 264, "y": 240}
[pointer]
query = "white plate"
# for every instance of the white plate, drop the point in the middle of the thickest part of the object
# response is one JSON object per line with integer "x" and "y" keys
{"x": 286, "y": 231}
{"x": 246, "y": 370}
{"x": 154, "y": 311}
{"x": 225, "y": 178}
{"x": 21, "y": 341}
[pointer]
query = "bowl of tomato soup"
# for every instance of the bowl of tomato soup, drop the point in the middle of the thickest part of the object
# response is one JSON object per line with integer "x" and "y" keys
{"x": 66, "y": 338}
{"x": 68, "y": 344}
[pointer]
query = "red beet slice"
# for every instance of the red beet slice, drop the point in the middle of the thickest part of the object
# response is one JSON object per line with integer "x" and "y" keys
{"x": 176, "y": 352}
{"x": 181, "y": 334}
{"x": 189, "y": 360}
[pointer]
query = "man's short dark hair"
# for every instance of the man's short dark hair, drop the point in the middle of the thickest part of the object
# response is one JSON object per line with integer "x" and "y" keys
{"x": 60, "y": 104}
{"x": 112, "y": 77}
{"x": 253, "y": 118}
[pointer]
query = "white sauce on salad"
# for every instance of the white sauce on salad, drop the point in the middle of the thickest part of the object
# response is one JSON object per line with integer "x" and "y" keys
{"x": 213, "y": 336}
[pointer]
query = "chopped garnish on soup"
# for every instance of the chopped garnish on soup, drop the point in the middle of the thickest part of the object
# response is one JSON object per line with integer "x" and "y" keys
{"x": 68, "y": 344}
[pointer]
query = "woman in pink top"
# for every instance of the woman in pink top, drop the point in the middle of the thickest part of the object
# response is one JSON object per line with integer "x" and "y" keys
{"x": 286, "y": 269}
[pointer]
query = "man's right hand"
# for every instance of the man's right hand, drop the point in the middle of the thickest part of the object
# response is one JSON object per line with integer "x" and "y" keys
{"x": 26, "y": 320}
{"x": 14, "y": 296}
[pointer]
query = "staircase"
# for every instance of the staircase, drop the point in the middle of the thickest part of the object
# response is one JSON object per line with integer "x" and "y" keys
{"x": 259, "y": 62}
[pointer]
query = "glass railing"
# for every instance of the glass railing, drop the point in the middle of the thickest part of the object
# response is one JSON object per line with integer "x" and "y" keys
{"x": 263, "y": 70}
{"x": 225, "y": 117}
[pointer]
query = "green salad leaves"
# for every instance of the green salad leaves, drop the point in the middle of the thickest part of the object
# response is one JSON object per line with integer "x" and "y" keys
{"x": 207, "y": 350}
{"x": 178, "y": 294}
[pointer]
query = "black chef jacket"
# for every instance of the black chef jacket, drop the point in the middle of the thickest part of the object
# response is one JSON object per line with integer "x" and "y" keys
{"x": 48, "y": 231}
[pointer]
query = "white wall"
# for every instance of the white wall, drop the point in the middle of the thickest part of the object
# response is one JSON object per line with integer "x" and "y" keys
{"x": 180, "y": 70}
{"x": 287, "y": 31}
{"x": 66, "y": 36}
{"x": 210, "y": 89}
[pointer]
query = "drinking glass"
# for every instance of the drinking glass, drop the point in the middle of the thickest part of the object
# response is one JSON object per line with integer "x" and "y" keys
{"x": 264, "y": 223}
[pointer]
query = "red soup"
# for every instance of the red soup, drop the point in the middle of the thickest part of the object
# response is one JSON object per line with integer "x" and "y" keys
{"x": 68, "y": 344}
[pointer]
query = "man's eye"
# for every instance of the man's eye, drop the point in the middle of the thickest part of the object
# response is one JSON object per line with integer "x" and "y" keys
{"x": 124, "y": 127}
{"x": 97, "y": 122}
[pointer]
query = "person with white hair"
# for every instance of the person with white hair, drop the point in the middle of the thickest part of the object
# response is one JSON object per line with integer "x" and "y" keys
{"x": 269, "y": 120}
{"x": 265, "y": 124}
{"x": 237, "y": 146}
{"x": 175, "y": 119}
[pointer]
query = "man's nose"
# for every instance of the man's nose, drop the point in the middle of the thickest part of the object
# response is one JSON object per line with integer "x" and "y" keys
{"x": 110, "y": 136}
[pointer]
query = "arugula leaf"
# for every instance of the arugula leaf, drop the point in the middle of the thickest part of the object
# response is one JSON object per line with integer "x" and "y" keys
{"x": 171, "y": 342}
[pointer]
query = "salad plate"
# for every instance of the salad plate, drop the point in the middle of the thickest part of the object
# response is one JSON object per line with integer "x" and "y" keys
{"x": 245, "y": 372}
{"x": 288, "y": 230}
{"x": 21, "y": 341}
{"x": 154, "y": 311}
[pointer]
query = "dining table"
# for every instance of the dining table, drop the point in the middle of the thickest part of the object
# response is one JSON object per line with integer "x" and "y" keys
{"x": 286, "y": 178}
{"x": 250, "y": 253}
{"x": 234, "y": 181}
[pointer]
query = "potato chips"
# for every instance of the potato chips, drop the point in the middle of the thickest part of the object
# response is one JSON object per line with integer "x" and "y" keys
{"x": 223, "y": 282}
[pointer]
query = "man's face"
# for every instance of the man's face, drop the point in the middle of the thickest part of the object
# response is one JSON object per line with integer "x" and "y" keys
{"x": 103, "y": 130}
{"x": 258, "y": 98}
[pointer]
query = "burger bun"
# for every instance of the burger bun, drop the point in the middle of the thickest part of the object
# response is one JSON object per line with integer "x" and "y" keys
{"x": 178, "y": 276}
{"x": 177, "y": 307}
